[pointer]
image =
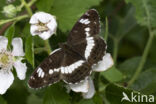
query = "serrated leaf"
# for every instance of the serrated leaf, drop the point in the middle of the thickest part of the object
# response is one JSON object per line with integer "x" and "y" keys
{"x": 56, "y": 94}
{"x": 113, "y": 75}
{"x": 44, "y": 5}
{"x": 68, "y": 12}
{"x": 10, "y": 34}
{"x": 145, "y": 11}
{"x": 29, "y": 50}
{"x": 146, "y": 81}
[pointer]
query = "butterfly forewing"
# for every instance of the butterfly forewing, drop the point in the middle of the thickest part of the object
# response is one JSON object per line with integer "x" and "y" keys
{"x": 89, "y": 21}
{"x": 48, "y": 72}
{"x": 84, "y": 38}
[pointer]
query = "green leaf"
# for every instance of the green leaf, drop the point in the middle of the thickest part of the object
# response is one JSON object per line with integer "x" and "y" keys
{"x": 127, "y": 23}
{"x": 29, "y": 50}
{"x": 33, "y": 99}
{"x": 44, "y": 5}
{"x": 68, "y": 12}
{"x": 129, "y": 66}
{"x": 145, "y": 11}
{"x": 2, "y": 101}
{"x": 29, "y": 44}
{"x": 113, "y": 75}
{"x": 146, "y": 81}
{"x": 114, "y": 94}
{"x": 56, "y": 94}
{"x": 86, "y": 101}
{"x": 10, "y": 34}
{"x": 97, "y": 99}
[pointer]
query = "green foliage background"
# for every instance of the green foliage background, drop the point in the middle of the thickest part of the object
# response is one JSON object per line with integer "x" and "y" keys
{"x": 131, "y": 29}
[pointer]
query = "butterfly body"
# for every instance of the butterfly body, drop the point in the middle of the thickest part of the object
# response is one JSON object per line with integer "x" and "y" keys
{"x": 73, "y": 61}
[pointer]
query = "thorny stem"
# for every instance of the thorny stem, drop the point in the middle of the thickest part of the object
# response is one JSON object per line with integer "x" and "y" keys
{"x": 147, "y": 47}
{"x": 47, "y": 46}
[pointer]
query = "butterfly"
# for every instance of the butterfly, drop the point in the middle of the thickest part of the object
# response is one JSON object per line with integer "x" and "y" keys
{"x": 73, "y": 61}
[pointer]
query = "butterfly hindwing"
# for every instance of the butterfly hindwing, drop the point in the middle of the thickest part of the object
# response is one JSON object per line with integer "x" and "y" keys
{"x": 98, "y": 51}
{"x": 48, "y": 72}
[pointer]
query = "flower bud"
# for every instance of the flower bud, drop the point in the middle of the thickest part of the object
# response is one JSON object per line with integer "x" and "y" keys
{"x": 10, "y": 11}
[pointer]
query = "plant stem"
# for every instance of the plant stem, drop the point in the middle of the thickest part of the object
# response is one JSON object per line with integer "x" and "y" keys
{"x": 115, "y": 50}
{"x": 27, "y": 7}
{"x": 106, "y": 29}
{"x": 20, "y": 6}
{"x": 47, "y": 46}
{"x": 13, "y": 19}
{"x": 31, "y": 3}
{"x": 147, "y": 47}
{"x": 143, "y": 60}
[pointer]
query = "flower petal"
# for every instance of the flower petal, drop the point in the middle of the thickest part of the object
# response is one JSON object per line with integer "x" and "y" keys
{"x": 3, "y": 42}
{"x": 105, "y": 64}
{"x": 17, "y": 47}
{"x": 44, "y": 17}
{"x": 40, "y": 16}
{"x": 33, "y": 19}
{"x": 91, "y": 90}
{"x": 80, "y": 87}
{"x": 45, "y": 35}
{"x": 21, "y": 69}
{"x": 52, "y": 25}
{"x": 6, "y": 79}
{"x": 33, "y": 30}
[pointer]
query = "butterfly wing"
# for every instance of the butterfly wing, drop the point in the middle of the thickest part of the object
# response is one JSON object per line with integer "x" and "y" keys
{"x": 74, "y": 68}
{"x": 73, "y": 65}
{"x": 48, "y": 72}
{"x": 84, "y": 38}
{"x": 88, "y": 21}
{"x": 93, "y": 49}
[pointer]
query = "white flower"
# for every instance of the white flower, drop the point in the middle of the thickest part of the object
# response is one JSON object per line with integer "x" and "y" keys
{"x": 87, "y": 86}
{"x": 43, "y": 24}
{"x": 10, "y": 59}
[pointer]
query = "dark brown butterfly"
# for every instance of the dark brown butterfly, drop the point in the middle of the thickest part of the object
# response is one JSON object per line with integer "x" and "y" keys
{"x": 73, "y": 61}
